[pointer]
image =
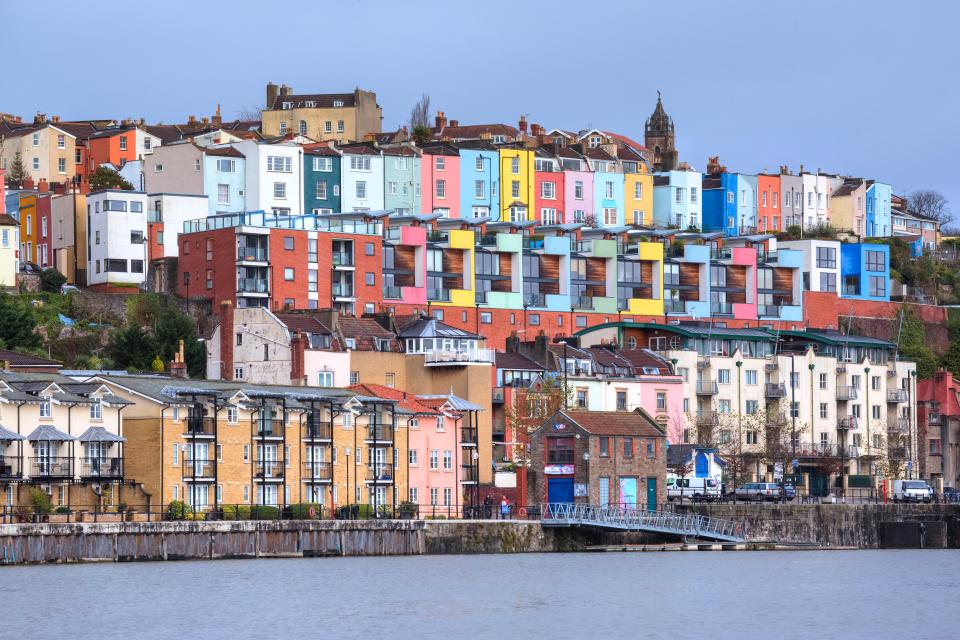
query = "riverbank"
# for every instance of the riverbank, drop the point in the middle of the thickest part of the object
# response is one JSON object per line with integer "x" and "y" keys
{"x": 767, "y": 526}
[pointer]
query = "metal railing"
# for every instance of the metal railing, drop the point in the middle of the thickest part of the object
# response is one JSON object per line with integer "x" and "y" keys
{"x": 615, "y": 517}
{"x": 707, "y": 388}
{"x": 468, "y": 435}
{"x": 847, "y": 422}
{"x": 707, "y": 418}
{"x": 846, "y": 392}
{"x": 380, "y": 472}
{"x": 318, "y": 431}
{"x": 317, "y": 471}
{"x": 465, "y": 356}
{"x": 721, "y": 254}
{"x": 438, "y": 236}
{"x": 438, "y": 295}
{"x": 895, "y": 396}
{"x": 391, "y": 292}
{"x": 830, "y": 450}
{"x": 11, "y": 466}
{"x": 379, "y": 433}
{"x": 342, "y": 259}
{"x": 342, "y": 290}
{"x": 252, "y": 285}
{"x": 200, "y": 427}
{"x": 111, "y": 468}
{"x": 534, "y": 300}
{"x": 197, "y": 468}
{"x": 267, "y": 470}
{"x": 674, "y": 306}
{"x": 768, "y": 310}
{"x": 268, "y": 427}
{"x": 721, "y": 308}
{"x": 469, "y": 473}
{"x": 252, "y": 254}
{"x": 51, "y": 467}
{"x": 581, "y": 302}
{"x": 775, "y": 390}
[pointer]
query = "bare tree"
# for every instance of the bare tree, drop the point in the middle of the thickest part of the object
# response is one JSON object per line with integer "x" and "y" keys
{"x": 681, "y": 469}
{"x": 420, "y": 114}
{"x": 930, "y": 204}
{"x": 249, "y": 113}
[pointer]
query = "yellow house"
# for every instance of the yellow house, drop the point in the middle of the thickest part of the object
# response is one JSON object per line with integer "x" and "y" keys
{"x": 28, "y": 228}
{"x": 648, "y": 301}
{"x": 47, "y": 152}
{"x": 637, "y": 189}
{"x": 517, "y": 187}
{"x": 458, "y": 258}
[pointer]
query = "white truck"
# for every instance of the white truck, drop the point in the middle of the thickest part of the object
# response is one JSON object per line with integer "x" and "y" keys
{"x": 911, "y": 491}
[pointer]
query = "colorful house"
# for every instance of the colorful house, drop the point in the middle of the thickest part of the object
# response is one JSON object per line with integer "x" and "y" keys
{"x": 720, "y": 202}
{"x": 117, "y": 146}
{"x": 578, "y": 186}
{"x": 637, "y": 188}
{"x": 9, "y": 251}
{"x": 36, "y": 229}
{"x": 517, "y": 183}
{"x": 865, "y": 271}
{"x": 440, "y": 177}
{"x": 878, "y": 209}
{"x": 676, "y": 199}
{"x": 321, "y": 179}
{"x": 847, "y": 206}
{"x": 607, "y": 187}
{"x": 549, "y": 188}
{"x": 769, "y": 217}
{"x": 479, "y": 179}
{"x": 401, "y": 174}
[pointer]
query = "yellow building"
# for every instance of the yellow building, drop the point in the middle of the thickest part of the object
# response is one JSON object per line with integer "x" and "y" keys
{"x": 648, "y": 300}
{"x": 29, "y": 232}
{"x": 342, "y": 117}
{"x": 637, "y": 189}
{"x": 517, "y": 186}
{"x": 47, "y": 152}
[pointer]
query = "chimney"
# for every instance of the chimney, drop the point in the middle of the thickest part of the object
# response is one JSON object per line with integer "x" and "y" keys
{"x": 440, "y": 121}
{"x": 297, "y": 358}
{"x": 40, "y": 118}
{"x": 226, "y": 340}
{"x": 55, "y": 119}
{"x": 801, "y": 169}
{"x": 192, "y": 120}
{"x": 522, "y": 125}
{"x": 285, "y": 90}
{"x": 536, "y": 129}
{"x": 454, "y": 123}
{"x": 43, "y": 186}
{"x": 272, "y": 91}
{"x": 178, "y": 368}
{"x": 84, "y": 186}
{"x": 27, "y": 183}
{"x": 205, "y": 120}
{"x": 217, "y": 119}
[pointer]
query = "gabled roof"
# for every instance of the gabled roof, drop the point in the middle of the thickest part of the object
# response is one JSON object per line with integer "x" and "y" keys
{"x": 406, "y": 401}
{"x": 637, "y": 423}
{"x": 320, "y": 149}
{"x": 456, "y": 402}
{"x": 99, "y": 434}
{"x": 17, "y": 359}
{"x": 227, "y": 150}
{"x": 511, "y": 360}
{"x": 304, "y": 323}
{"x": 629, "y": 142}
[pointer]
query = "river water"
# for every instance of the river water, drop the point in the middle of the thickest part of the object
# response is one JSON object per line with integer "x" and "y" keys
{"x": 703, "y": 595}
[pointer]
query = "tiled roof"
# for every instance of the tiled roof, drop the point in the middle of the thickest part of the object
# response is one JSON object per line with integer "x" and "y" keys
{"x": 304, "y": 323}
{"x": 359, "y": 150}
{"x": 616, "y": 423}
{"x": 17, "y": 359}
{"x": 320, "y": 100}
{"x": 223, "y": 151}
{"x": 405, "y": 400}
{"x": 363, "y": 330}
{"x": 320, "y": 149}
{"x": 510, "y": 360}
{"x": 6, "y": 220}
{"x": 630, "y": 142}
{"x": 476, "y": 131}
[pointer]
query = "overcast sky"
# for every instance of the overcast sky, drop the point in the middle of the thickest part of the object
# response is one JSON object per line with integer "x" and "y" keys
{"x": 861, "y": 88}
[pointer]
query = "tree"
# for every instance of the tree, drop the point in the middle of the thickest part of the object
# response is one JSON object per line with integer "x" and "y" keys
{"x": 157, "y": 365}
{"x": 930, "y": 204}
{"x": 132, "y": 348}
{"x": 18, "y": 171}
{"x": 17, "y": 324}
{"x": 531, "y": 407}
{"x": 51, "y": 280}
{"x": 250, "y": 113}
{"x": 420, "y": 114}
{"x": 107, "y": 178}
{"x": 951, "y": 359}
{"x": 421, "y": 135}
{"x": 913, "y": 344}
{"x": 681, "y": 469}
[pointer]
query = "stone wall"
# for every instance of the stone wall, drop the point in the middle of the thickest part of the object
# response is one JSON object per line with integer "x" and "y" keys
{"x": 111, "y": 308}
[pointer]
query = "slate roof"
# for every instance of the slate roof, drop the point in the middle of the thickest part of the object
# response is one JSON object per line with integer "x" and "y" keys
{"x": 616, "y": 423}
{"x": 304, "y": 323}
{"x": 8, "y": 436}
{"x": 47, "y": 433}
{"x": 458, "y": 403}
{"x": 227, "y": 151}
{"x": 99, "y": 434}
{"x": 320, "y": 100}
{"x": 17, "y": 359}
{"x": 510, "y": 360}
{"x": 419, "y": 327}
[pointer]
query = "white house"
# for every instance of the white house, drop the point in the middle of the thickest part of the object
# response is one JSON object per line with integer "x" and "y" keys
{"x": 170, "y": 211}
{"x": 361, "y": 179}
{"x": 274, "y": 176}
{"x": 116, "y": 237}
{"x": 821, "y": 264}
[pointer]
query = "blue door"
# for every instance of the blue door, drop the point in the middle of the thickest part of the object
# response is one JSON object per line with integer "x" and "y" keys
{"x": 651, "y": 493}
{"x": 560, "y": 490}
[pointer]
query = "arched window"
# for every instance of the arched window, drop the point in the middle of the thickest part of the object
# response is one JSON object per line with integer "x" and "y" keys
{"x": 303, "y": 127}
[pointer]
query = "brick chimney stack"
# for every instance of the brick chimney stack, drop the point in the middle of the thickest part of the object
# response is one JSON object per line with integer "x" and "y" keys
{"x": 28, "y": 183}
{"x": 178, "y": 368}
{"x": 440, "y": 121}
{"x": 454, "y": 123}
{"x": 217, "y": 118}
{"x": 43, "y": 186}
{"x": 297, "y": 359}
{"x": 522, "y": 125}
{"x": 226, "y": 340}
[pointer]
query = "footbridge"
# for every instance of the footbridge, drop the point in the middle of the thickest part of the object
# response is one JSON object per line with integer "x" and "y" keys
{"x": 621, "y": 519}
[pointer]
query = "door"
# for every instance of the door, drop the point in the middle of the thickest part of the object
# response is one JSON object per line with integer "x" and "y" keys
{"x": 628, "y": 493}
{"x": 818, "y": 484}
{"x": 379, "y": 464}
{"x": 651, "y": 493}
{"x": 200, "y": 453}
{"x": 604, "y": 492}
{"x": 268, "y": 457}
{"x": 560, "y": 490}
{"x": 42, "y": 451}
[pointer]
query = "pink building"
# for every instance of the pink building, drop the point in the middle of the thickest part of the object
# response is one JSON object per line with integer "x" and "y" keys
{"x": 578, "y": 186}
{"x": 440, "y": 180}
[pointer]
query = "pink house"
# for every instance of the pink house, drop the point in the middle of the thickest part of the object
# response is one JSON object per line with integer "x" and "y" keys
{"x": 440, "y": 180}
{"x": 578, "y": 188}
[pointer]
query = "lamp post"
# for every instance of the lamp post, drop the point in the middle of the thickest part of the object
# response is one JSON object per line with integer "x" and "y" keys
{"x": 739, "y": 364}
{"x": 911, "y": 407}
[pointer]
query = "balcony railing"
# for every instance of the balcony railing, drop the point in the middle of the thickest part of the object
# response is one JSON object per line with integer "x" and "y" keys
{"x": 488, "y": 240}
{"x": 252, "y": 254}
{"x": 584, "y": 246}
{"x": 391, "y": 292}
{"x": 342, "y": 290}
{"x": 900, "y": 425}
{"x": 342, "y": 259}
{"x": 721, "y": 254}
{"x": 707, "y": 388}
{"x": 317, "y": 471}
{"x": 674, "y": 306}
{"x": 469, "y": 473}
{"x": 809, "y": 450}
{"x": 460, "y": 357}
{"x": 846, "y": 423}
{"x": 380, "y": 433}
{"x": 268, "y": 470}
{"x": 468, "y": 436}
{"x": 768, "y": 310}
{"x": 11, "y": 467}
{"x": 895, "y": 396}
{"x": 200, "y": 427}
{"x": 252, "y": 285}
{"x": 581, "y": 302}
{"x": 534, "y": 300}
{"x": 268, "y": 428}
{"x": 776, "y": 390}
{"x": 767, "y": 256}
{"x": 111, "y": 468}
{"x": 197, "y": 468}
{"x": 380, "y": 472}
{"x": 318, "y": 431}
{"x": 438, "y": 295}
{"x": 721, "y": 308}
{"x": 438, "y": 236}
{"x": 846, "y": 392}
{"x": 707, "y": 418}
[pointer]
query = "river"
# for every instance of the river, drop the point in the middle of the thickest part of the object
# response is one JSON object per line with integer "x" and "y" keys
{"x": 703, "y": 595}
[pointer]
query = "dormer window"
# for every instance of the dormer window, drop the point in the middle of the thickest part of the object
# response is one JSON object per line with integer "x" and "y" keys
{"x": 338, "y": 103}
{"x": 351, "y": 343}
{"x": 287, "y": 105}
{"x": 310, "y": 103}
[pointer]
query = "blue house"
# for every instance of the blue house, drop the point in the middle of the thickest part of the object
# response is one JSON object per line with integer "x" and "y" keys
{"x": 321, "y": 180}
{"x": 746, "y": 204}
{"x": 720, "y": 203}
{"x": 865, "y": 271}
{"x": 479, "y": 179}
{"x": 224, "y": 179}
{"x": 607, "y": 188}
{"x": 879, "y": 224}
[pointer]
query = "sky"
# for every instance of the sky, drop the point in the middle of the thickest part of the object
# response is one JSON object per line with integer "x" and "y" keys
{"x": 863, "y": 88}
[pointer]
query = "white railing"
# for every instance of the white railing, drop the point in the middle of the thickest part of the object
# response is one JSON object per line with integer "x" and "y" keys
{"x": 643, "y": 520}
{"x": 464, "y": 356}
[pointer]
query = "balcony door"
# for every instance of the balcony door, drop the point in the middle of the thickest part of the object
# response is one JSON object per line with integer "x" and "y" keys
{"x": 267, "y": 455}
{"x": 43, "y": 451}
{"x": 315, "y": 461}
{"x": 378, "y": 461}
{"x": 199, "y": 456}
{"x": 96, "y": 457}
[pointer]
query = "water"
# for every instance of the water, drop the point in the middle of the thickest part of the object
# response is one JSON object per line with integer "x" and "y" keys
{"x": 703, "y": 595}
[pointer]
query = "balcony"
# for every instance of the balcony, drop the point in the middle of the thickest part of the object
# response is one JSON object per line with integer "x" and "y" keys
{"x": 895, "y": 396}
{"x": 721, "y": 254}
{"x": 341, "y": 290}
{"x": 318, "y": 431}
{"x": 459, "y": 358}
{"x": 269, "y": 428}
{"x": 438, "y": 295}
{"x": 342, "y": 259}
{"x": 847, "y": 423}
{"x": 438, "y": 236}
{"x": 581, "y": 302}
{"x": 830, "y": 450}
{"x": 468, "y": 436}
{"x": 775, "y": 390}
{"x": 721, "y": 308}
{"x": 768, "y": 310}
{"x": 498, "y": 395}
{"x": 391, "y": 292}
{"x": 534, "y": 300}
{"x": 317, "y": 472}
{"x": 766, "y": 256}
{"x": 584, "y": 246}
{"x": 707, "y": 388}
{"x": 101, "y": 468}
{"x": 268, "y": 470}
{"x": 380, "y": 473}
{"x": 674, "y": 306}
{"x": 200, "y": 428}
{"x": 253, "y": 285}
{"x": 469, "y": 474}
{"x": 846, "y": 392}
{"x": 899, "y": 425}
{"x": 488, "y": 240}
{"x": 197, "y": 469}
{"x": 11, "y": 467}
{"x": 252, "y": 254}
{"x": 381, "y": 433}
{"x": 707, "y": 418}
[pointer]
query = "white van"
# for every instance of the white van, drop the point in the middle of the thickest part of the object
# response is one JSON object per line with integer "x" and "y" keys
{"x": 692, "y": 488}
{"x": 911, "y": 491}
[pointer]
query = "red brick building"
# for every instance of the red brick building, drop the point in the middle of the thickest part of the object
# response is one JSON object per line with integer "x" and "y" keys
{"x": 938, "y": 429}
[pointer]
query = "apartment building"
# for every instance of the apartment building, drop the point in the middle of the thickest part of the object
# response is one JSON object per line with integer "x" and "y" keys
{"x": 343, "y": 117}
{"x": 117, "y": 250}
{"x": 938, "y": 430}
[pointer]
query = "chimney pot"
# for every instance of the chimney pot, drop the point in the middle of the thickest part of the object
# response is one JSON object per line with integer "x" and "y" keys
{"x": 522, "y": 125}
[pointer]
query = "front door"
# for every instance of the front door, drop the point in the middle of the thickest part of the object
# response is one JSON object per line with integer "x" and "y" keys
{"x": 560, "y": 490}
{"x": 651, "y": 494}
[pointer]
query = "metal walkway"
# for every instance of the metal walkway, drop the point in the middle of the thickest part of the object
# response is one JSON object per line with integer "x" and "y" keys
{"x": 585, "y": 515}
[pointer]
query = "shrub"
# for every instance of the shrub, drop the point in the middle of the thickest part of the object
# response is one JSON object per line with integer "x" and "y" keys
{"x": 264, "y": 512}
{"x": 301, "y": 511}
{"x": 51, "y": 280}
{"x": 62, "y": 509}
{"x": 40, "y": 502}
{"x": 177, "y": 510}
{"x": 195, "y": 515}
{"x": 236, "y": 512}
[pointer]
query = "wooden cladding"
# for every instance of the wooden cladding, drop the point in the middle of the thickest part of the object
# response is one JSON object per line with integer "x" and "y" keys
{"x": 550, "y": 269}
{"x": 405, "y": 258}
{"x": 506, "y": 270}
{"x": 690, "y": 277}
{"x": 783, "y": 281}
{"x": 453, "y": 264}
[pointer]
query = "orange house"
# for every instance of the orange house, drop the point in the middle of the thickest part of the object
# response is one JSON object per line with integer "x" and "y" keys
{"x": 35, "y": 230}
{"x": 116, "y": 145}
{"x": 769, "y": 216}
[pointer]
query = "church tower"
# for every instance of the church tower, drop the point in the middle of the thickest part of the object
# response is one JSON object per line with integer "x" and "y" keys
{"x": 660, "y": 139}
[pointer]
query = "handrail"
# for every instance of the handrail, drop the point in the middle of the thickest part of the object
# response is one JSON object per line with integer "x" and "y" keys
{"x": 639, "y": 519}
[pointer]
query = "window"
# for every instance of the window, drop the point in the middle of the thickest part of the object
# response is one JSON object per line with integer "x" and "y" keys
{"x": 876, "y": 412}
{"x": 828, "y": 282}
{"x": 610, "y": 216}
{"x": 479, "y": 189}
{"x": 534, "y": 319}
{"x": 62, "y": 165}
{"x": 515, "y": 165}
{"x": 434, "y": 459}
{"x": 441, "y": 188}
{"x": 608, "y": 190}
{"x": 322, "y": 189}
{"x": 661, "y": 400}
{"x": 628, "y": 447}
{"x": 281, "y": 164}
{"x": 447, "y": 460}
{"x": 878, "y": 286}
{"x": 693, "y": 195}
{"x": 875, "y": 383}
{"x": 582, "y": 398}
{"x": 223, "y": 194}
{"x": 478, "y": 163}
{"x": 36, "y": 139}
{"x": 325, "y": 378}
{"x": 360, "y": 163}
{"x": 322, "y": 164}
{"x": 36, "y": 162}
{"x": 515, "y": 189}
{"x": 823, "y": 381}
{"x": 288, "y": 273}
{"x": 826, "y": 257}
{"x": 280, "y": 190}
{"x": 238, "y": 373}
{"x": 794, "y": 409}
{"x": 548, "y": 190}
{"x": 361, "y": 189}
{"x": 824, "y": 411}
{"x": 875, "y": 261}
{"x": 751, "y": 407}
{"x": 440, "y": 163}
{"x": 486, "y": 317}
{"x": 578, "y": 190}
{"x": 45, "y": 408}
{"x": 638, "y": 191}
{"x": 723, "y": 376}
{"x": 604, "y": 446}
{"x": 312, "y": 280}
{"x": 621, "y": 400}
{"x": 369, "y": 249}
{"x": 794, "y": 379}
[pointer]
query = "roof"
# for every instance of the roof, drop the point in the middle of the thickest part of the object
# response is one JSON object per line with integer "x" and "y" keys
{"x": 7, "y": 436}
{"x": 320, "y": 149}
{"x": 320, "y": 100}
{"x": 223, "y": 151}
{"x": 99, "y": 434}
{"x": 47, "y": 433}
{"x": 419, "y": 327}
{"x": 456, "y": 402}
{"x": 511, "y": 360}
{"x": 475, "y": 131}
{"x": 405, "y": 400}
{"x": 630, "y": 142}
{"x": 596, "y": 153}
{"x": 6, "y": 220}
{"x": 689, "y": 330}
{"x": 304, "y": 323}
{"x": 837, "y": 338}
{"x": 636, "y": 423}
{"x": 17, "y": 359}
{"x": 355, "y": 327}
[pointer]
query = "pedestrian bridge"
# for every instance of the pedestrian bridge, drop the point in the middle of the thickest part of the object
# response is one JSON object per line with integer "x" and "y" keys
{"x": 680, "y": 524}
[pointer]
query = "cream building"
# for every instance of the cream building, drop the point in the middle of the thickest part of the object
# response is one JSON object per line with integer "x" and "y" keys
{"x": 342, "y": 117}
{"x": 47, "y": 151}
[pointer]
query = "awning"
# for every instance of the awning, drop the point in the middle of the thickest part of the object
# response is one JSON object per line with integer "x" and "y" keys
{"x": 46, "y": 433}
{"x": 99, "y": 434}
{"x": 6, "y": 435}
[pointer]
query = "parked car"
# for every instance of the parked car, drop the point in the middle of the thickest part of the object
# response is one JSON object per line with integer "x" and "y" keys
{"x": 758, "y": 491}
{"x": 951, "y": 494}
{"x": 912, "y": 491}
{"x": 692, "y": 488}
{"x": 68, "y": 288}
{"x": 787, "y": 491}
{"x": 30, "y": 267}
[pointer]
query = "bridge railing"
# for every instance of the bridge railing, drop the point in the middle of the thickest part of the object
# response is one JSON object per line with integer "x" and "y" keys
{"x": 628, "y": 518}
